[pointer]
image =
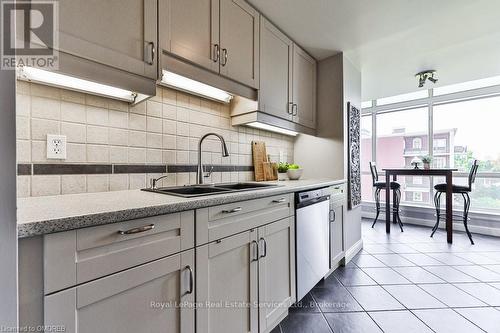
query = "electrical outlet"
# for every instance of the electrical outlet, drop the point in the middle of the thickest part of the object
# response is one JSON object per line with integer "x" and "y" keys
{"x": 56, "y": 147}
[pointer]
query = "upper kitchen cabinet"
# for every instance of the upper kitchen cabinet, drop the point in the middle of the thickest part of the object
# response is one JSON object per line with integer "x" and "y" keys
{"x": 117, "y": 33}
{"x": 276, "y": 51}
{"x": 239, "y": 42}
{"x": 190, "y": 29}
{"x": 304, "y": 88}
{"x": 219, "y": 35}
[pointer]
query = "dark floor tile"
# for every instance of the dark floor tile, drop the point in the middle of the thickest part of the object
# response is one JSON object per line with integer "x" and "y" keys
{"x": 306, "y": 304}
{"x": 418, "y": 275}
{"x": 385, "y": 275}
{"x": 421, "y": 259}
{"x": 399, "y": 321}
{"x": 356, "y": 322}
{"x": 374, "y": 298}
{"x": 393, "y": 260}
{"x": 367, "y": 260}
{"x": 330, "y": 282}
{"x": 482, "y": 317}
{"x": 450, "y": 274}
{"x": 277, "y": 329}
{"x": 413, "y": 297}
{"x": 353, "y": 277}
{"x": 305, "y": 323}
{"x": 451, "y": 295}
{"x": 482, "y": 291}
{"x": 335, "y": 300}
{"x": 480, "y": 273}
{"x": 446, "y": 321}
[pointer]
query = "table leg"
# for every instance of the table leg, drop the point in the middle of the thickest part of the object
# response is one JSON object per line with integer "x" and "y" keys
{"x": 394, "y": 214}
{"x": 449, "y": 207}
{"x": 387, "y": 202}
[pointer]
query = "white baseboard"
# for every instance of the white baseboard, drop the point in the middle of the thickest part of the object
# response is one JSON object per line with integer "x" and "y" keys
{"x": 351, "y": 252}
{"x": 483, "y": 230}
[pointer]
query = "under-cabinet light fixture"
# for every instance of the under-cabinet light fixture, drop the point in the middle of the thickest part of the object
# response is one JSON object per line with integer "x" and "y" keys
{"x": 271, "y": 128}
{"x": 195, "y": 87}
{"x": 59, "y": 80}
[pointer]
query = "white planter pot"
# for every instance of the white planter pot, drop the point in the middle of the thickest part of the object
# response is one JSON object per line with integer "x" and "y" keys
{"x": 294, "y": 174}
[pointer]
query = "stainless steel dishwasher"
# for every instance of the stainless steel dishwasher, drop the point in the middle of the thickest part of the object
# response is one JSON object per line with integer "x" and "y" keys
{"x": 312, "y": 234}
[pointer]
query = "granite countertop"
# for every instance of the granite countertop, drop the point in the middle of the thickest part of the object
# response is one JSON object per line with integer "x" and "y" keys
{"x": 43, "y": 215}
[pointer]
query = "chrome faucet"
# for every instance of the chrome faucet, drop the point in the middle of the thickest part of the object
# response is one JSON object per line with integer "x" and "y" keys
{"x": 225, "y": 153}
{"x": 154, "y": 181}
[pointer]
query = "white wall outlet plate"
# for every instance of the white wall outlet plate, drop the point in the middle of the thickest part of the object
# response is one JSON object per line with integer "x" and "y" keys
{"x": 56, "y": 147}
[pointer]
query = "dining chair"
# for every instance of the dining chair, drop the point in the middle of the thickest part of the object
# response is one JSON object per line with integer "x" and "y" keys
{"x": 379, "y": 186}
{"x": 458, "y": 189}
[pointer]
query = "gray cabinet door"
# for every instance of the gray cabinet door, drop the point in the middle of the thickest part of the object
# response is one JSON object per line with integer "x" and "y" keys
{"x": 336, "y": 233}
{"x": 276, "y": 272}
{"x": 141, "y": 299}
{"x": 190, "y": 29}
{"x": 304, "y": 88}
{"x": 117, "y": 33}
{"x": 239, "y": 39}
{"x": 227, "y": 284}
{"x": 276, "y": 51}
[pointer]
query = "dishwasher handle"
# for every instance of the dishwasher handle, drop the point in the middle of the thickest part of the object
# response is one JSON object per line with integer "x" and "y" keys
{"x": 313, "y": 201}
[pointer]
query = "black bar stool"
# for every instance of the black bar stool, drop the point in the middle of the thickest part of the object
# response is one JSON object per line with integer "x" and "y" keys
{"x": 464, "y": 191}
{"x": 379, "y": 186}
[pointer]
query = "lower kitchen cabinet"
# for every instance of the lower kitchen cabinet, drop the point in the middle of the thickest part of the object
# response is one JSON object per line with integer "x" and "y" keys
{"x": 246, "y": 282}
{"x": 141, "y": 299}
{"x": 276, "y": 272}
{"x": 227, "y": 282}
{"x": 337, "y": 209}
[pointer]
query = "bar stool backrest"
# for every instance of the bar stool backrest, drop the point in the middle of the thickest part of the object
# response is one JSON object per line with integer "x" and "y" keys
{"x": 373, "y": 170}
{"x": 472, "y": 174}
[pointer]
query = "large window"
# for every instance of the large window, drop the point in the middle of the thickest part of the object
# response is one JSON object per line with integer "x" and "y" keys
{"x": 464, "y": 126}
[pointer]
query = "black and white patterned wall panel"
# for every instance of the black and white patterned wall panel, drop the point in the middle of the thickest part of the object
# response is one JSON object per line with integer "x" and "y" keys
{"x": 354, "y": 164}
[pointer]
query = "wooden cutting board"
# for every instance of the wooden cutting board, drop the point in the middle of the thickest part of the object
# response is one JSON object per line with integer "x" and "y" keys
{"x": 259, "y": 158}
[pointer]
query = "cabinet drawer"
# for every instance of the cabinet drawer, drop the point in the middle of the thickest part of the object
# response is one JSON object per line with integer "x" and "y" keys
{"x": 217, "y": 222}
{"x": 78, "y": 256}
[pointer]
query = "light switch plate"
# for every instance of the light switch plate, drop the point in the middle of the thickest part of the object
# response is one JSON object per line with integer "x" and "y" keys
{"x": 56, "y": 147}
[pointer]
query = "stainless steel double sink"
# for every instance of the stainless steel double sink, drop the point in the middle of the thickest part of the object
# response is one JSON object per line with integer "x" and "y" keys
{"x": 190, "y": 191}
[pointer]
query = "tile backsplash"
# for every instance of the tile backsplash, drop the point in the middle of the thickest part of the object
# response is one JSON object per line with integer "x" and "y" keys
{"x": 104, "y": 133}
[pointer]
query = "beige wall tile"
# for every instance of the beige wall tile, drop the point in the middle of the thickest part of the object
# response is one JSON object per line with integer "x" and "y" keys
{"x": 23, "y": 128}
{"x": 38, "y": 151}
{"x": 97, "y": 116}
{"x": 137, "y": 181}
{"x": 137, "y": 139}
{"x": 154, "y": 156}
{"x": 154, "y": 140}
{"x": 97, "y": 134}
{"x": 45, "y": 91}
{"x": 182, "y": 179}
{"x": 169, "y": 96}
{"x": 23, "y": 186}
{"x": 45, "y": 108}
{"x": 72, "y": 96}
{"x": 118, "y": 154}
{"x": 169, "y": 126}
{"x": 137, "y": 155}
{"x": 74, "y": 132}
{"x": 182, "y": 157}
{"x": 23, "y": 105}
{"x": 76, "y": 153}
{"x": 118, "y": 137}
{"x": 23, "y": 151}
{"x": 154, "y": 125}
{"x": 97, "y": 183}
{"x": 153, "y": 109}
{"x": 118, "y": 182}
{"x": 98, "y": 101}
{"x": 169, "y": 142}
{"x": 45, "y": 185}
{"x": 138, "y": 108}
{"x": 73, "y": 112}
{"x": 169, "y": 157}
{"x": 118, "y": 119}
{"x": 73, "y": 184}
{"x": 97, "y": 154}
{"x": 118, "y": 105}
{"x": 41, "y": 127}
{"x": 169, "y": 111}
{"x": 137, "y": 122}
{"x": 23, "y": 87}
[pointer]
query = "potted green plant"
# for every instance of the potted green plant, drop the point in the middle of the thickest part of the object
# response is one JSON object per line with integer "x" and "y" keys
{"x": 294, "y": 172}
{"x": 427, "y": 161}
{"x": 282, "y": 170}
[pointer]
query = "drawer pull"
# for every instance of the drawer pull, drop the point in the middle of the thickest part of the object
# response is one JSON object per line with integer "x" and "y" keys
{"x": 255, "y": 251}
{"x": 137, "y": 230}
{"x": 280, "y": 200}
{"x": 234, "y": 210}
{"x": 265, "y": 248}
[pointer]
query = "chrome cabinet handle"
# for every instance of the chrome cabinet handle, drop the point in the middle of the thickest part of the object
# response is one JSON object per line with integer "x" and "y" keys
{"x": 150, "y": 58}
{"x": 265, "y": 248}
{"x": 216, "y": 54}
{"x": 137, "y": 230}
{"x": 255, "y": 250}
{"x": 224, "y": 56}
{"x": 280, "y": 200}
{"x": 290, "y": 107}
{"x": 191, "y": 280}
{"x": 295, "y": 109}
{"x": 234, "y": 210}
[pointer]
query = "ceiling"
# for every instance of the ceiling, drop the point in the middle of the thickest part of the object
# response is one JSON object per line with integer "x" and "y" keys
{"x": 391, "y": 40}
